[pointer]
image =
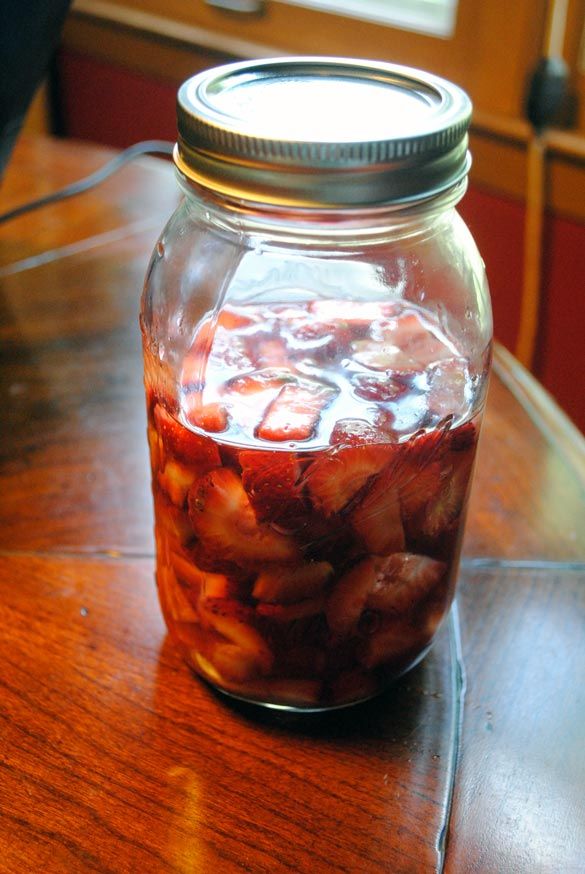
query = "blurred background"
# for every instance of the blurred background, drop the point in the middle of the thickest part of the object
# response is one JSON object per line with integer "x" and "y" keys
{"x": 114, "y": 77}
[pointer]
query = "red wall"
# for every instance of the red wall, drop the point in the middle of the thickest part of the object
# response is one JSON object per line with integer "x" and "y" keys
{"x": 117, "y": 107}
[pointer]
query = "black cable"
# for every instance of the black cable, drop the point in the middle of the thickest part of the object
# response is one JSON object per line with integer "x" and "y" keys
{"x": 152, "y": 147}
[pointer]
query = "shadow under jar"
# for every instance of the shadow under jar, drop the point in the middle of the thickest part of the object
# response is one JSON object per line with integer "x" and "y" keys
{"x": 317, "y": 336}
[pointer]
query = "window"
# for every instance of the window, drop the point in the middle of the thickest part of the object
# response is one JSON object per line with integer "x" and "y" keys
{"x": 436, "y": 17}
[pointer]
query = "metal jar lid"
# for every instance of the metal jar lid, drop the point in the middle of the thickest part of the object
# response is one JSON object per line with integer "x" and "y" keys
{"x": 326, "y": 132}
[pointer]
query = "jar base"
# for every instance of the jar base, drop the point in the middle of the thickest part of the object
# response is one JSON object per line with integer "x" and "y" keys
{"x": 259, "y": 705}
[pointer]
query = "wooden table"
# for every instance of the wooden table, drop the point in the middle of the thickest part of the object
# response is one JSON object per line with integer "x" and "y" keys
{"x": 113, "y": 758}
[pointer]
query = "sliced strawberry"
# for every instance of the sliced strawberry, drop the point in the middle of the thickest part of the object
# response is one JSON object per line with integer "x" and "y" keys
{"x": 224, "y": 520}
{"x": 211, "y": 417}
{"x": 385, "y": 355}
{"x": 214, "y": 563}
{"x": 174, "y": 600}
{"x": 295, "y": 412}
{"x": 403, "y": 580}
{"x": 171, "y": 519}
{"x": 284, "y": 584}
{"x": 176, "y": 480}
{"x": 355, "y": 432}
{"x": 381, "y": 389}
{"x": 270, "y": 478}
{"x": 377, "y": 518}
{"x": 445, "y": 508}
{"x": 235, "y": 622}
{"x": 258, "y": 385}
{"x": 199, "y": 582}
{"x": 337, "y": 476}
{"x": 232, "y": 317}
{"x": 348, "y": 597}
{"x": 184, "y": 445}
{"x": 321, "y": 338}
{"x": 463, "y": 438}
{"x": 234, "y": 663}
{"x": 426, "y": 447}
{"x": 417, "y": 486}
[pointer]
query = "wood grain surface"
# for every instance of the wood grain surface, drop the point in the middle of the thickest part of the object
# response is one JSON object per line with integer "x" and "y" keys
{"x": 113, "y": 757}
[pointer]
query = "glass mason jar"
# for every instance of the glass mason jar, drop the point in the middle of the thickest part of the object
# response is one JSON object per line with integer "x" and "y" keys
{"x": 317, "y": 338}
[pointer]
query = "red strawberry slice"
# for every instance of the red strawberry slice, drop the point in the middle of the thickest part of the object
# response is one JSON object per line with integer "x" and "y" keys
{"x": 211, "y": 417}
{"x": 192, "y": 449}
{"x": 382, "y": 389}
{"x": 175, "y": 480}
{"x": 200, "y": 582}
{"x": 228, "y": 664}
{"x": 377, "y": 519}
{"x": 355, "y": 432}
{"x": 320, "y": 338}
{"x": 428, "y": 446}
{"x": 446, "y": 507}
{"x": 463, "y": 438}
{"x": 348, "y": 597}
{"x": 232, "y": 317}
{"x": 225, "y": 522}
{"x": 174, "y": 600}
{"x": 172, "y": 520}
{"x": 285, "y": 584}
{"x": 258, "y": 381}
{"x": 417, "y": 486}
{"x": 385, "y": 355}
{"x": 337, "y": 476}
{"x": 295, "y": 412}
{"x": 235, "y": 622}
{"x": 270, "y": 478}
{"x": 403, "y": 580}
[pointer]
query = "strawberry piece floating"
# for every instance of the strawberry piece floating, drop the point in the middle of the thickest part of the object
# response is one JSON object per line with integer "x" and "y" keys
{"x": 295, "y": 412}
{"x": 355, "y": 432}
{"x": 184, "y": 445}
{"x": 212, "y": 417}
